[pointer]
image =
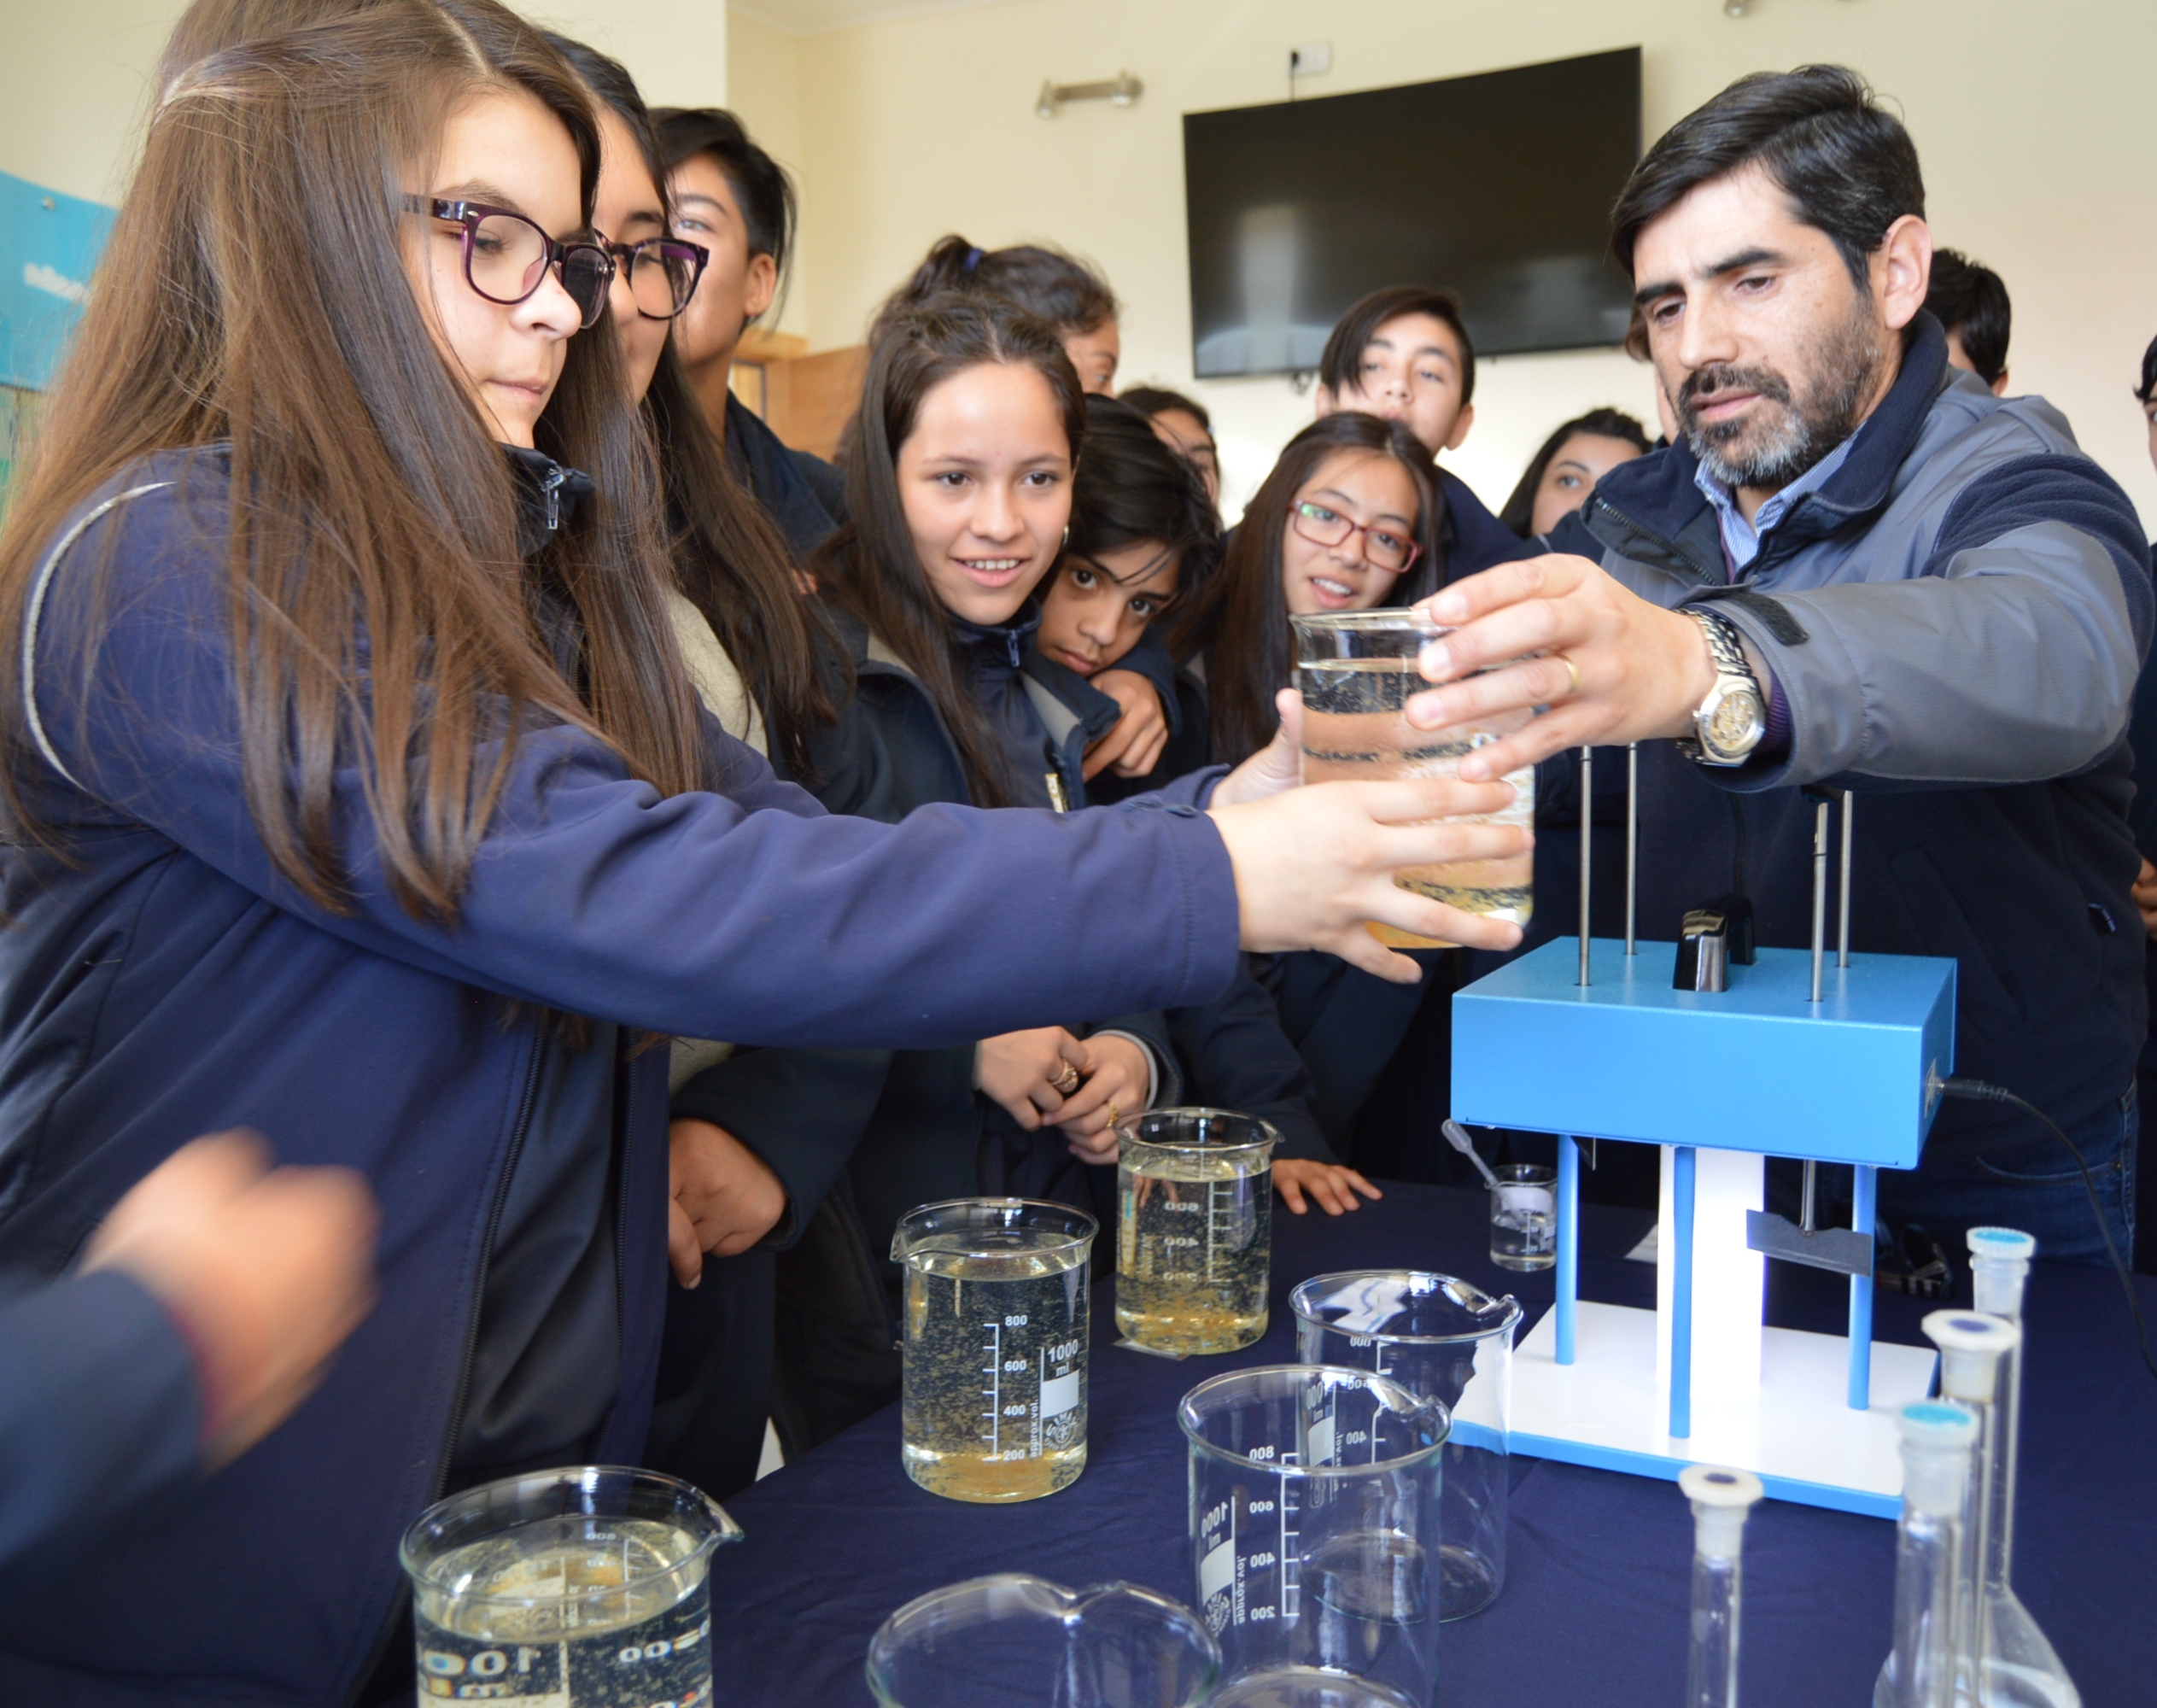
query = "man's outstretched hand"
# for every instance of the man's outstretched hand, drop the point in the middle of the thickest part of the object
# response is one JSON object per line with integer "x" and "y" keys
{"x": 1642, "y": 669}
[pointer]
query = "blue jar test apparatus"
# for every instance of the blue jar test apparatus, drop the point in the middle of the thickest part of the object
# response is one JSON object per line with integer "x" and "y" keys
{"x": 1820, "y": 1057}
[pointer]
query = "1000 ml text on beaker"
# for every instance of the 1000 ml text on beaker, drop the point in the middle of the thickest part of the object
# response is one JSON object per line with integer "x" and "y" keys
{"x": 995, "y": 1373}
{"x": 1354, "y": 729}
{"x": 562, "y": 1647}
{"x": 1196, "y": 1235}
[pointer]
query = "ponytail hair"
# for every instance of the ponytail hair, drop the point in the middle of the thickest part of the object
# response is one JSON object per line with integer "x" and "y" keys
{"x": 870, "y": 567}
{"x": 1036, "y": 278}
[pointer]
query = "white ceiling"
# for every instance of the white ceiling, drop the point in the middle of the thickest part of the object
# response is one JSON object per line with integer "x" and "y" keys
{"x": 808, "y": 17}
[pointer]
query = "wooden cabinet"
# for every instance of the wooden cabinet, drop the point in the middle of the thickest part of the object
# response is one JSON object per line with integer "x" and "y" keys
{"x": 807, "y": 400}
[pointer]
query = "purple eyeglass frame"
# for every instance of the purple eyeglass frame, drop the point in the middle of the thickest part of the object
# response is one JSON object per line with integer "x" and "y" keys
{"x": 467, "y": 216}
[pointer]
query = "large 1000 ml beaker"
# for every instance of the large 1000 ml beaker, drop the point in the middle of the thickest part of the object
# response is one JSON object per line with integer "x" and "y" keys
{"x": 1195, "y": 1233}
{"x": 585, "y": 1587}
{"x": 1441, "y": 1339}
{"x": 995, "y": 1314}
{"x": 1314, "y": 1500}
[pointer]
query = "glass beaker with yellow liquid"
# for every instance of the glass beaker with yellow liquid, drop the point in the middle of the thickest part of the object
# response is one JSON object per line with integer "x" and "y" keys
{"x": 996, "y": 1307}
{"x": 1356, "y": 670}
{"x": 1195, "y": 1234}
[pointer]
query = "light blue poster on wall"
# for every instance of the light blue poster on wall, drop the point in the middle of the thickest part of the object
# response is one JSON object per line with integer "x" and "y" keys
{"x": 49, "y": 242}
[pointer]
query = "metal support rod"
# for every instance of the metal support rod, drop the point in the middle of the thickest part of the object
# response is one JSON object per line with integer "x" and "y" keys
{"x": 1808, "y": 1217}
{"x": 1569, "y": 1241}
{"x": 1842, "y": 917}
{"x": 1587, "y": 843}
{"x": 1632, "y": 839}
{"x": 1819, "y": 895}
{"x": 1682, "y": 1166}
{"x": 1860, "y": 1295}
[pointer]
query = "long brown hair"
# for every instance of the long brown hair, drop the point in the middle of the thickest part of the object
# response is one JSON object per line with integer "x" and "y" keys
{"x": 1241, "y": 620}
{"x": 729, "y": 559}
{"x": 870, "y": 567}
{"x": 254, "y": 294}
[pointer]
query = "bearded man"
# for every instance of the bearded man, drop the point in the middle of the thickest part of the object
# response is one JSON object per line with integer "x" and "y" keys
{"x": 1857, "y": 567}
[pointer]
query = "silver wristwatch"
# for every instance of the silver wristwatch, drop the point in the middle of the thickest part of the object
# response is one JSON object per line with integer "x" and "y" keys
{"x": 1733, "y": 718}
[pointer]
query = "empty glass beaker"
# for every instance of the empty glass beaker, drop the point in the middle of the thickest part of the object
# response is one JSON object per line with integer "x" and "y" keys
{"x": 996, "y": 1305}
{"x": 1721, "y": 1502}
{"x": 1356, "y": 670}
{"x": 1523, "y": 1216}
{"x": 1314, "y": 1501}
{"x": 583, "y": 1587}
{"x": 1194, "y": 1228}
{"x": 1441, "y": 1339}
{"x": 1018, "y": 1641}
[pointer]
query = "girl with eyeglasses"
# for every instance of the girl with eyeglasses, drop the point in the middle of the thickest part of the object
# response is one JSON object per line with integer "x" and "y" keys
{"x": 355, "y": 792}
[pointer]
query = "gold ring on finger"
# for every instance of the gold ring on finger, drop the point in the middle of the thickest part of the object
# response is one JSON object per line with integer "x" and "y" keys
{"x": 1112, "y": 1118}
{"x": 1574, "y": 670}
{"x": 1066, "y": 1082}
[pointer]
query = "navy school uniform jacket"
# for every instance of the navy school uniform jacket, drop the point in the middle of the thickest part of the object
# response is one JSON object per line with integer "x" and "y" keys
{"x": 796, "y": 490}
{"x": 163, "y": 980}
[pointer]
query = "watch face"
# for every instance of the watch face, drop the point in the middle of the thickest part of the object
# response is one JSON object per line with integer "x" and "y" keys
{"x": 1735, "y": 724}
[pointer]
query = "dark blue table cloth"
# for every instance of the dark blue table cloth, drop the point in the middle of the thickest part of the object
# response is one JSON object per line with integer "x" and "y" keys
{"x": 1598, "y": 1582}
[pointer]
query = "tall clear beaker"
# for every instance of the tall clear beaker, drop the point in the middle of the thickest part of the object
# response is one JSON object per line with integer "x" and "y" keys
{"x": 1357, "y": 670}
{"x": 2021, "y": 1666}
{"x": 1194, "y": 1228}
{"x": 1722, "y": 1500}
{"x": 1018, "y": 1641}
{"x": 996, "y": 1311}
{"x": 583, "y": 1587}
{"x": 1443, "y": 1339}
{"x": 1315, "y": 1495}
{"x": 1939, "y": 1438}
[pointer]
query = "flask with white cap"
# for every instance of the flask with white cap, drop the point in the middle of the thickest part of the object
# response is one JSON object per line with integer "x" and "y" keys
{"x": 1722, "y": 1500}
{"x": 1939, "y": 1439}
{"x": 2019, "y": 1665}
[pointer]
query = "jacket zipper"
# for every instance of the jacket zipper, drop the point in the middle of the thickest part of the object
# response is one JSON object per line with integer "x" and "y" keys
{"x": 525, "y": 1107}
{"x": 1670, "y": 546}
{"x": 551, "y": 488}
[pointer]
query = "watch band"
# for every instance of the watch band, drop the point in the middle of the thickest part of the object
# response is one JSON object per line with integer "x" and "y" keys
{"x": 1727, "y": 653}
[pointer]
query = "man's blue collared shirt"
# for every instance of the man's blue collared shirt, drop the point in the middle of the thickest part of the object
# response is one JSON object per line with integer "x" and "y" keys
{"x": 1740, "y": 538}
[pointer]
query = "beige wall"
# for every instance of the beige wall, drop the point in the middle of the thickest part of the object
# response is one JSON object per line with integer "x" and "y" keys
{"x": 2034, "y": 123}
{"x": 76, "y": 82}
{"x": 764, "y": 88}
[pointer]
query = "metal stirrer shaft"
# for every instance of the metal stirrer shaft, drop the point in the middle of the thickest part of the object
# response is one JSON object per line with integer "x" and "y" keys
{"x": 1842, "y": 922}
{"x": 1632, "y": 839}
{"x": 1588, "y": 833}
{"x": 1819, "y": 895}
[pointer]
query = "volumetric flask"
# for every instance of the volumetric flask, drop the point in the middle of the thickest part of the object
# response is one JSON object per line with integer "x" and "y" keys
{"x": 584, "y": 1588}
{"x": 1018, "y": 1641}
{"x": 1441, "y": 1339}
{"x": 1195, "y": 1233}
{"x": 1314, "y": 1501}
{"x": 996, "y": 1311}
{"x": 1356, "y": 670}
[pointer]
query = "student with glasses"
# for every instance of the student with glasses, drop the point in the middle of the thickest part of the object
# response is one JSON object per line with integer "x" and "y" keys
{"x": 1349, "y": 519}
{"x": 376, "y": 813}
{"x": 736, "y": 202}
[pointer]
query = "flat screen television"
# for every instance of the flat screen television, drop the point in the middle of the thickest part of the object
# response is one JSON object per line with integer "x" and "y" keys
{"x": 1497, "y": 187}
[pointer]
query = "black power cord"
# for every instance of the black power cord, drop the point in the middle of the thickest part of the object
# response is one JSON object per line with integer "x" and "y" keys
{"x": 1982, "y": 1091}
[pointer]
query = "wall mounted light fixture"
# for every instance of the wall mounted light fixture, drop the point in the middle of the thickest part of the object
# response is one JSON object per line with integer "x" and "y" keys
{"x": 1119, "y": 91}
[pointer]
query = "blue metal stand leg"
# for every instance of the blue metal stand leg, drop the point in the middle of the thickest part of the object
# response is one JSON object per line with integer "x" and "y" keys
{"x": 1681, "y": 1167}
{"x": 1569, "y": 1241}
{"x": 1861, "y": 1296}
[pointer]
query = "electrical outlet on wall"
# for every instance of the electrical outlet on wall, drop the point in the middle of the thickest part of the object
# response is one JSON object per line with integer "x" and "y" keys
{"x": 1311, "y": 58}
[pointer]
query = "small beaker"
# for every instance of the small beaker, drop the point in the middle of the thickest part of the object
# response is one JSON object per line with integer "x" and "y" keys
{"x": 1194, "y": 1228}
{"x": 1314, "y": 1503}
{"x": 1441, "y": 1339}
{"x": 1018, "y": 1641}
{"x": 996, "y": 1307}
{"x": 1356, "y": 670}
{"x": 1523, "y": 1216}
{"x": 579, "y": 1588}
